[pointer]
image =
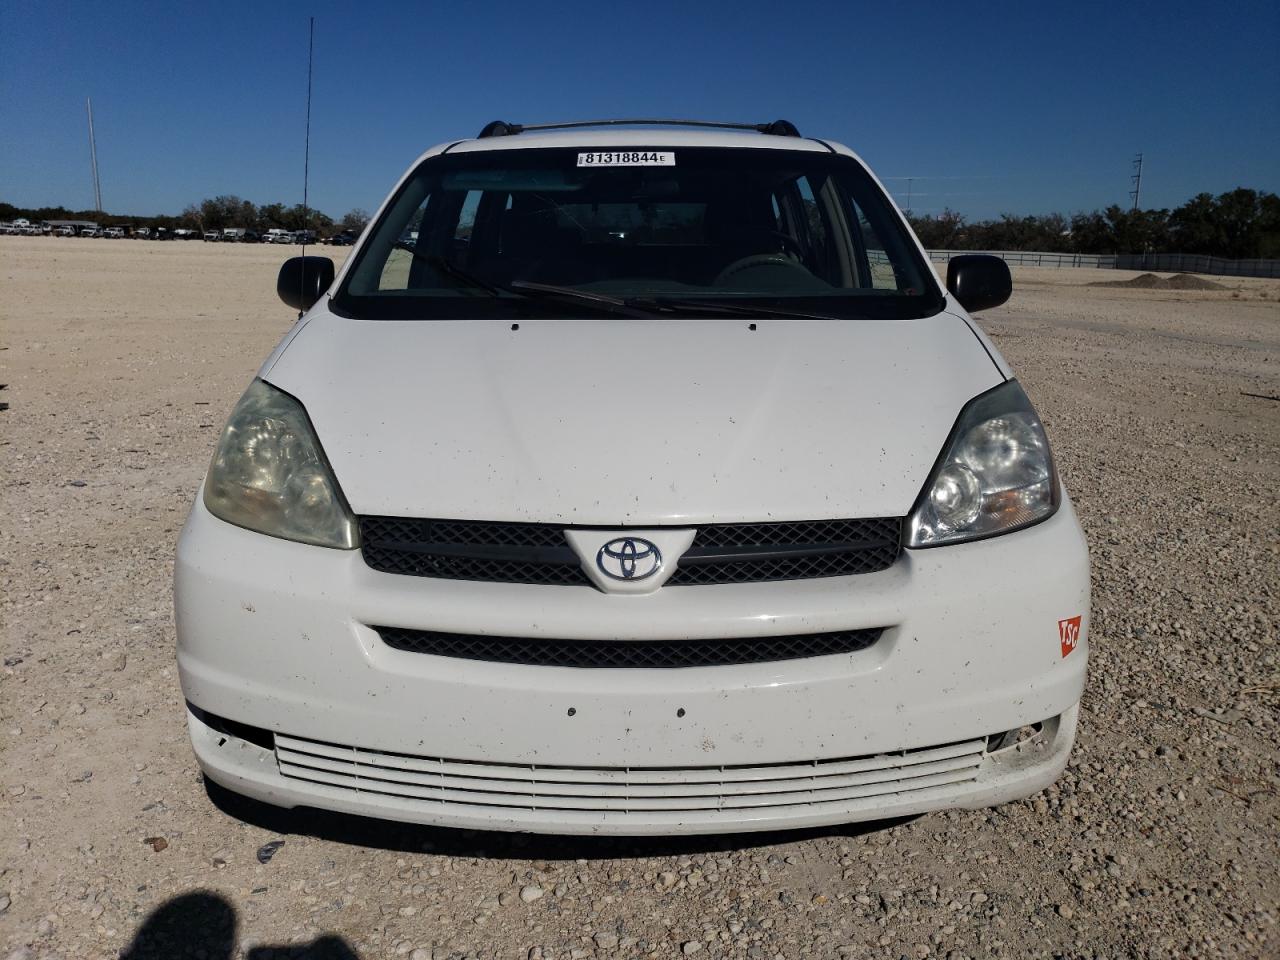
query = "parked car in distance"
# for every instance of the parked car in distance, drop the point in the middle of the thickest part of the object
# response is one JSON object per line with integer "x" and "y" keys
{"x": 304, "y": 236}
{"x": 211, "y": 236}
{"x": 23, "y": 227}
{"x": 681, "y": 497}
{"x": 66, "y": 231}
{"x": 90, "y": 231}
{"x": 277, "y": 235}
{"x": 113, "y": 233}
{"x": 183, "y": 233}
{"x": 344, "y": 239}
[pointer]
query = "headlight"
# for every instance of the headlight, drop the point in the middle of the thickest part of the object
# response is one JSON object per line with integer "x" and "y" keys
{"x": 995, "y": 474}
{"x": 270, "y": 475}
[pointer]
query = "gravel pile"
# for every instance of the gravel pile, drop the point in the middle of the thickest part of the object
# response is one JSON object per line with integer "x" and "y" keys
{"x": 1149, "y": 281}
{"x": 1160, "y": 840}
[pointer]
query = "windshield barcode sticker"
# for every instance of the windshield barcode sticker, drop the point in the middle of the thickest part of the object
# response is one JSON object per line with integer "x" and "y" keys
{"x": 619, "y": 159}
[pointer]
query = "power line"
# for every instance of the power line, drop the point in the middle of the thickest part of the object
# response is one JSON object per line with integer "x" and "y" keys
{"x": 975, "y": 176}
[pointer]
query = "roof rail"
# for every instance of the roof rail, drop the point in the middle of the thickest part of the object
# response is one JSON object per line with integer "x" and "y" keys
{"x": 500, "y": 128}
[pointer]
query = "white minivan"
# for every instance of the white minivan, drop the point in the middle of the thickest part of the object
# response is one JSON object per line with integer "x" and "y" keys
{"x": 657, "y": 486}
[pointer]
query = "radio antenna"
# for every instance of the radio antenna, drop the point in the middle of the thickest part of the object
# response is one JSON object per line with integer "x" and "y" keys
{"x": 306, "y": 155}
{"x": 93, "y": 158}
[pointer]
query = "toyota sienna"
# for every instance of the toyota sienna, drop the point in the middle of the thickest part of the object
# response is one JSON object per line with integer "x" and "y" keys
{"x": 634, "y": 477}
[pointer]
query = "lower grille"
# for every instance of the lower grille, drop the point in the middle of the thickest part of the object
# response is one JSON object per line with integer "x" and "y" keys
{"x": 539, "y": 554}
{"x": 464, "y": 784}
{"x": 533, "y": 651}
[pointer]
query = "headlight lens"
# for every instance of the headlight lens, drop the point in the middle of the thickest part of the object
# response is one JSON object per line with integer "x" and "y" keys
{"x": 270, "y": 475}
{"x": 995, "y": 475}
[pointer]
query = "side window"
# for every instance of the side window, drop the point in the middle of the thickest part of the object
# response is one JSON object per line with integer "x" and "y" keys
{"x": 467, "y": 218}
{"x": 881, "y": 266}
{"x": 815, "y": 225}
{"x": 440, "y": 227}
{"x": 398, "y": 266}
{"x": 805, "y": 218}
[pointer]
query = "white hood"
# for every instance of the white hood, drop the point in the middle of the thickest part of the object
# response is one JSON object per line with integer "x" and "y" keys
{"x": 632, "y": 421}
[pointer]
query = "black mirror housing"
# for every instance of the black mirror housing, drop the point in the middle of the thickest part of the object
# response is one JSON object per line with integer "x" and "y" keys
{"x": 979, "y": 281}
{"x": 303, "y": 280}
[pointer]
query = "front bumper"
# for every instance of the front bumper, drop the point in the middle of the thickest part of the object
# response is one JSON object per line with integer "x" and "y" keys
{"x": 276, "y": 635}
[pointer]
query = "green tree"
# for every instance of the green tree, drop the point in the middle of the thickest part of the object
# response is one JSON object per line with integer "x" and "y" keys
{"x": 1269, "y": 226}
{"x": 1239, "y": 215}
{"x": 354, "y": 220}
{"x": 946, "y": 231}
{"x": 227, "y": 210}
{"x": 273, "y": 215}
{"x": 1193, "y": 227}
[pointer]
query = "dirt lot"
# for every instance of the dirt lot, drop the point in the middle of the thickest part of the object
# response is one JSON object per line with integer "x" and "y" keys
{"x": 123, "y": 358}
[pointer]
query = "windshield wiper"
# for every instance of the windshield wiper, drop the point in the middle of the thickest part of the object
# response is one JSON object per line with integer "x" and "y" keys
{"x": 673, "y": 304}
{"x": 522, "y": 288}
{"x": 457, "y": 274}
{"x": 656, "y": 306}
{"x": 629, "y": 308}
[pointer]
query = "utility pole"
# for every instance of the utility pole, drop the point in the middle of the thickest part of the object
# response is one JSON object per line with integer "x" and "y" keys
{"x": 1136, "y": 192}
{"x": 93, "y": 156}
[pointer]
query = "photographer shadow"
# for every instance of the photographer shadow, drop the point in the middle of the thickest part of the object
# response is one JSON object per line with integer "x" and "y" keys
{"x": 205, "y": 924}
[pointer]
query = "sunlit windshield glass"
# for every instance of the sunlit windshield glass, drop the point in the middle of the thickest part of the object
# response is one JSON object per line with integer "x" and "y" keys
{"x": 524, "y": 232}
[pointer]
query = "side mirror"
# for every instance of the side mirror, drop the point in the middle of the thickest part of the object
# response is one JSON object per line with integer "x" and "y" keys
{"x": 303, "y": 280}
{"x": 979, "y": 281}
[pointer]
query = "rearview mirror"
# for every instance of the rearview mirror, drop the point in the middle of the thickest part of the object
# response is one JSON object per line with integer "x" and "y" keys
{"x": 303, "y": 280}
{"x": 979, "y": 281}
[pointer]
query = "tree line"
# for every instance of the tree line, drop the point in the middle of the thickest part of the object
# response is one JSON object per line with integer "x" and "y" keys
{"x": 215, "y": 213}
{"x": 1241, "y": 224}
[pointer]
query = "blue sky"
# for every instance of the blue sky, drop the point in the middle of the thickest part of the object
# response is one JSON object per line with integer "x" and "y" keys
{"x": 1019, "y": 107}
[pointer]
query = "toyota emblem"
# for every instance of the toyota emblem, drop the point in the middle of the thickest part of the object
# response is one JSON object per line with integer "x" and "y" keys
{"x": 629, "y": 558}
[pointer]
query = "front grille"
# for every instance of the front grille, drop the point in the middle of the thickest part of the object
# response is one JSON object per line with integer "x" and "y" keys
{"x": 647, "y": 793}
{"x": 538, "y": 553}
{"x": 754, "y": 552}
{"x": 532, "y": 651}
{"x": 470, "y": 550}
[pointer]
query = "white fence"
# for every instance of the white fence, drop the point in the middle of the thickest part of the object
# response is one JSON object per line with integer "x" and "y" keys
{"x": 1156, "y": 262}
{"x": 1030, "y": 258}
{"x": 1195, "y": 263}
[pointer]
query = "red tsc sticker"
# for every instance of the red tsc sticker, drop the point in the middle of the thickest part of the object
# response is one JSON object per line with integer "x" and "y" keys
{"x": 1069, "y": 633}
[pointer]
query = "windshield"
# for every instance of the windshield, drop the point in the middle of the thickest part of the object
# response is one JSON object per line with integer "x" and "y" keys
{"x": 524, "y": 233}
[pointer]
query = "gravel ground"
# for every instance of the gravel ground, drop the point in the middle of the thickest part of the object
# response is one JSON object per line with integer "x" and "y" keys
{"x": 123, "y": 358}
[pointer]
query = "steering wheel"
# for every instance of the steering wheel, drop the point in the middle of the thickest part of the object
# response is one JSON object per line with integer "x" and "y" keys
{"x": 790, "y": 243}
{"x": 759, "y": 260}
